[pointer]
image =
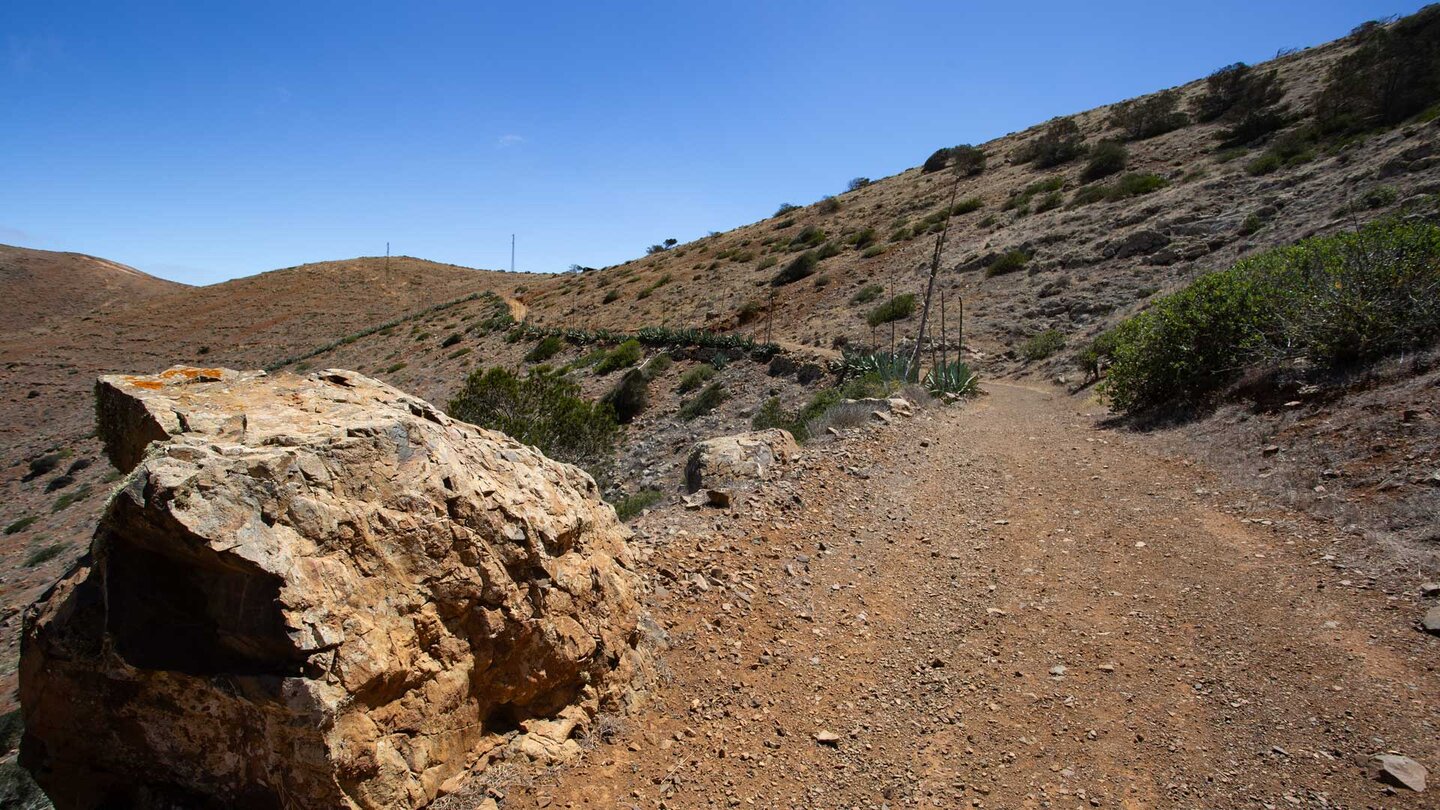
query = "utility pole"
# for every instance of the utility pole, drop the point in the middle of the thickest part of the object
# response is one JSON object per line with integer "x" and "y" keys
{"x": 387, "y": 257}
{"x": 512, "y": 252}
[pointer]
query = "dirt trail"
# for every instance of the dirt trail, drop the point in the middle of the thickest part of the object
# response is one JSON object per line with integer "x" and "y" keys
{"x": 1005, "y": 606}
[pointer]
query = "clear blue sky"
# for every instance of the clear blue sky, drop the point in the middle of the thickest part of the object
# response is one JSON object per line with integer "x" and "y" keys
{"x": 206, "y": 140}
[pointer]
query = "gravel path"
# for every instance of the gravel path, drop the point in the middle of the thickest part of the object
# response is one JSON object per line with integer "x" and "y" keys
{"x": 1002, "y": 605}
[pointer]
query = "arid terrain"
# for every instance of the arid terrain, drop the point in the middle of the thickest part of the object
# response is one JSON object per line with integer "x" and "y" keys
{"x": 1017, "y": 600}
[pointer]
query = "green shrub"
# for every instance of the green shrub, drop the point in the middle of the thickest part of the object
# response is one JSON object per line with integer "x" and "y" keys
{"x": 1010, "y": 262}
{"x": 1059, "y": 142}
{"x": 873, "y": 251}
{"x": 1137, "y": 184}
{"x": 827, "y": 250}
{"x": 1097, "y": 353}
{"x": 863, "y": 239}
{"x": 827, "y": 206}
{"x": 938, "y": 160}
{"x": 44, "y": 555}
{"x": 1042, "y": 345}
{"x": 1379, "y": 197}
{"x": 1392, "y": 74}
{"x": 632, "y": 505}
{"x": 969, "y": 160}
{"x": 451, "y": 340}
{"x": 867, "y": 294}
{"x": 1106, "y": 158}
{"x": 807, "y": 237}
{"x": 695, "y": 377}
{"x": 1253, "y": 223}
{"x": 630, "y": 396}
{"x": 543, "y": 409}
{"x": 625, "y": 355}
{"x": 548, "y": 347}
{"x": 857, "y": 183}
{"x": 1292, "y": 149}
{"x": 1329, "y": 301}
{"x": 704, "y": 402}
{"x": 394, "y": 367}
{"x": 768, "y": 262}
{"x": 967, "y": 205}
{"x": 43, "y": 465}
{"x": 1245, "y": 100}
{"x": 896, "y": 309}
{"x": 1020, "y": 200}
{"x": 659, "y": 364}
{"x": 785, "y": 208}
{"x": 21, "y": 525}
{"x": 1049, "y": 202}
{"x": 800, "y": 267}
{"x": 71, "y": 498}
{"x": 1150, "y": 116}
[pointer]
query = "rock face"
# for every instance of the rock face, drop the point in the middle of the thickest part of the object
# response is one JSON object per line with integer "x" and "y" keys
{"x": 320, "y": 592}
{"x": 735, "y": 461}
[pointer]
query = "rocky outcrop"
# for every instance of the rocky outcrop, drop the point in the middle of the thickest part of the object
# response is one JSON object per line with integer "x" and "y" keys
{"x": 730, "y": 462}
{"x": 320, "y": 592}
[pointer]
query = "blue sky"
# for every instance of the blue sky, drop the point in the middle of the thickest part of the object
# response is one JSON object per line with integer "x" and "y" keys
{"x": 204, "y": 140}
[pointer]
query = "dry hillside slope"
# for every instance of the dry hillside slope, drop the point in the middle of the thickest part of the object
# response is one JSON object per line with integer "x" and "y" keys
{"x": 42, "y": 286}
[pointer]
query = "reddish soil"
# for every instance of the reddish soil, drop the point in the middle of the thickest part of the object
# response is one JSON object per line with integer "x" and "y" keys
{"x": 1003, "y": 605}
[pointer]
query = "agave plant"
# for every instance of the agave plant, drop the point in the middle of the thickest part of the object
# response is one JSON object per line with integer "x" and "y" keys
{"x": 954, "y": 378}
{"x": 891, "y": 367}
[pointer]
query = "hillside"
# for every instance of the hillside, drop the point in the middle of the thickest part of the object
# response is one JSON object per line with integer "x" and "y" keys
{"x": 1029, "y": 251}
{"x": 52, "y": 476}
{"x": 42, "y": 286}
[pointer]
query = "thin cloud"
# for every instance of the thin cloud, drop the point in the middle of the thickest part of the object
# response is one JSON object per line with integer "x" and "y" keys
{"x": 507, "y": 141}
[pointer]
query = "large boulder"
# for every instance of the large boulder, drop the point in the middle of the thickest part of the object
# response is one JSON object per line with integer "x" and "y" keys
{"x": 320, "y": 592}
{"x": 730, "y": 462}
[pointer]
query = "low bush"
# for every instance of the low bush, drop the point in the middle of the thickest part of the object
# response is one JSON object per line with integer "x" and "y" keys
{"x": 802, "y": 266}
{"x": 1042, "y": 345}
{"x": 1328, "y": 302}
{"x": 867, "y": 294}
{"x": 1150, "y": 116}
{"x": 543, "y": 409}
{"x": 857, "y": 183}
{"x": 21, "y": 525}
{"x": 969, "y": 160}
{"x": 42, "y": 465}
{"x": 827, "y": 206}
{"x": 785, "y": 208}
{"x": 625, "y": 355}
{"x": 1391, "y": 74}
{"x": 1245, "y": 100}
{"x": 44, "y": 555}
{"x": 1129, "y": 185}
{"x": 71, "y": 498}
{"x": 631, "y": 506}
{"x": 548, "y": 347}
{"x": 451, "y": 340}
{"x": 1059, "y": 142}
{"x": 695, "y": 377}
{"x": 630, "y": 396}
{"x": 704, "y": 402}
{"x": 1020, "y": 200}
{"x": 1106, "y": 158}
{"x": 1009, "y": 262}
{"x": 898, "y": 308}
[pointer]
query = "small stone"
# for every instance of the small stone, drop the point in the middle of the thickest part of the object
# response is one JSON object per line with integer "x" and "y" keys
{"x": 1058, "y": 670}
{"x": 1106, "y": 667}
{"x": 1431, "y": 622}
{"x": 1401, "y": 772}
{"x": 1271, "y": 450}
{"x": 829, "y": 738}
{"x": 1430, "y": 589}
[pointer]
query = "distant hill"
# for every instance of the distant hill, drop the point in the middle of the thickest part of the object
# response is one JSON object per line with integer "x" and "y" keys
{"x": 39, "y": 286}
